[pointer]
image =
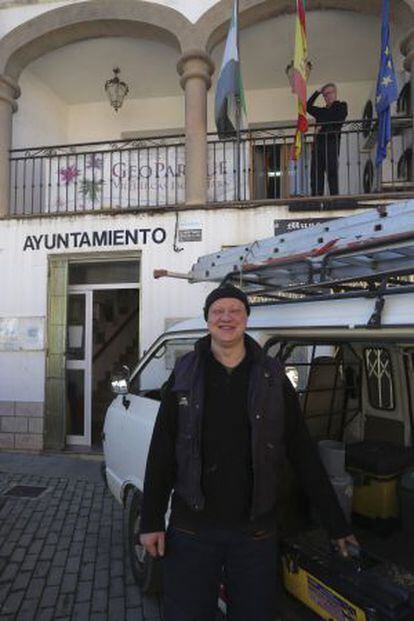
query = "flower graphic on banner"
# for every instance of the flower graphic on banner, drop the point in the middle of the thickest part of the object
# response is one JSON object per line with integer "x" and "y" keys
{"x": 68, "y": 174}
{"x": 91, "y": 189}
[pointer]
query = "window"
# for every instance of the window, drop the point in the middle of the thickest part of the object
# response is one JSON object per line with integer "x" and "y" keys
{"x": 103, "y": 272}
{"x": 379, "y": 378}
{"x": 268, "y": 170}
{"x": 326, "y": 378}
{"x": 151, "y": 377}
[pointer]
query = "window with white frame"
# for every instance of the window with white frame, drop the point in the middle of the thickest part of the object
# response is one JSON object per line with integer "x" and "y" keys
{"x": 379, "y": 378}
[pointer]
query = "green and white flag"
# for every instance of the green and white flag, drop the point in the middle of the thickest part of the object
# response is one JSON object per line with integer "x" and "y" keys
{"x": 230, "y": 104}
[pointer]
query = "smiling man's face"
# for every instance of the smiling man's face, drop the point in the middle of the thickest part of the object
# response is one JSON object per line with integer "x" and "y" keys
{"x": 226, "y": 321}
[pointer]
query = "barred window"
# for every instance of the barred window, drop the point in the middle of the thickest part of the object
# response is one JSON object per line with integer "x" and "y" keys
{"x": 379, "y": 377}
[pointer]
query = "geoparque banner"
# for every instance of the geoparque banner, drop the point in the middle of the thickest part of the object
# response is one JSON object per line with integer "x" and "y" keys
{"x": 134, "y": 178}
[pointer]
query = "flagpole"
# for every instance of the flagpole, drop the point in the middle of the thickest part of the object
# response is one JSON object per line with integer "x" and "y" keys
{"x": 238, "y": 140}
{"x": 379, "y": 177}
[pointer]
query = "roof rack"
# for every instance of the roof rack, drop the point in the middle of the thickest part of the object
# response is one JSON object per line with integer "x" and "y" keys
{"x": 365, "y": 252}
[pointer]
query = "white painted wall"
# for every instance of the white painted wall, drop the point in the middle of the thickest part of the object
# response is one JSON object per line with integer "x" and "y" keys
{"x": 12, "y": 17}
{"x": 41, "y": 118}
{"x": 279, "y": 104}
{"x": 192, "y": 9}
{"x": 98, "y": 121}
{"x": 22, "y": 372}
{"x": 22, "y": 376}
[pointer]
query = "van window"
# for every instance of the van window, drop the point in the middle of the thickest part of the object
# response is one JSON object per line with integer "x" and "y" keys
{"x": 325, "y": 376}
{"x": 150, "y": 378}
{"x": 379, "y": 378}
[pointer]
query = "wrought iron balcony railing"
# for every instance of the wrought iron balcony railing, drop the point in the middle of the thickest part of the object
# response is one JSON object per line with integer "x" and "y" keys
{"x": 150, "y": 172}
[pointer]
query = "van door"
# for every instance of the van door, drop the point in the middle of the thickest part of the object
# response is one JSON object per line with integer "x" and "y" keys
{"x": 130, "y": 418}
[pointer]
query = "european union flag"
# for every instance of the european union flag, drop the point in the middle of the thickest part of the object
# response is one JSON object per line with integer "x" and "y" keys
{"x": 387, "y": 90}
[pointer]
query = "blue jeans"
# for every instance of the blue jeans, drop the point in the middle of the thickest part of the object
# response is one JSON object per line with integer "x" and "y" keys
{"x": 196, "y": 564}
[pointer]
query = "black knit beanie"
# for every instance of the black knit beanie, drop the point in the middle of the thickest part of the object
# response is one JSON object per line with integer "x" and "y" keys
{"x": 225, "y": 291}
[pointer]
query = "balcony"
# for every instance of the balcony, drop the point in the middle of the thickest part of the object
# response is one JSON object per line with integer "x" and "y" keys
{"x": 149, "y": 173}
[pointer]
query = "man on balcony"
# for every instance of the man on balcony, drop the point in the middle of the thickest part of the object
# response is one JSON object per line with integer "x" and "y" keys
{"x": 326, "y": 143}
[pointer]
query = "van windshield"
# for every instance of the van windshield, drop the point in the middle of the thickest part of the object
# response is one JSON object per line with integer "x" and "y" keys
{"x": 157, "y": 369}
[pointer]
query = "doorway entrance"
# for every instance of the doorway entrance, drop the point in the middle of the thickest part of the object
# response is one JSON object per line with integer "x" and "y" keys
{"x": 102, "y": 334}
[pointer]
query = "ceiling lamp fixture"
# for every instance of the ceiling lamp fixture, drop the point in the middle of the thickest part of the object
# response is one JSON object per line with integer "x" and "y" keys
{"x": 116, "y": 90}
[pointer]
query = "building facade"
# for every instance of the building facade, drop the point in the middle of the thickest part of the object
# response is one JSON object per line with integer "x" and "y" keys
{"x": 93, "y": 200}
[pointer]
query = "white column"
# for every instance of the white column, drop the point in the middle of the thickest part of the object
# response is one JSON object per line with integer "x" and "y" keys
{"x": 9, "y": 91}
{"x": 195, "y": 68}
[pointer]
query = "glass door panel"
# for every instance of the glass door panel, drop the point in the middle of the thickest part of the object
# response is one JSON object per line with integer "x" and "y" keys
{"x": 76, "y": 327}
{"x": 78, "y": 364}
{"x": 75, "y": 382}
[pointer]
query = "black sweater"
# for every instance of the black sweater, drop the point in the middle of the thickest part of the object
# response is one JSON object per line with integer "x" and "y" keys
{"x": 226, "y": 450}
{"x": 331, "y": 118}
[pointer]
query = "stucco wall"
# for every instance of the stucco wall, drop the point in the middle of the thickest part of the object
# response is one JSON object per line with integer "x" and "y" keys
{"x": 12, "y": 16}
{"x": 42, "y": 118}
{"x": 98, "y": 121}
{"x": 160, "y": 299}
{"x": 279, "y": 104}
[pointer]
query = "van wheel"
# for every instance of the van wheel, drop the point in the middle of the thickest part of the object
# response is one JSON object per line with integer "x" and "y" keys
{"x": 145, "y": 569}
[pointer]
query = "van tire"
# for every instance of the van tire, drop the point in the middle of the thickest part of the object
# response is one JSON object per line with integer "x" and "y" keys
{"x": 145, "y": 569}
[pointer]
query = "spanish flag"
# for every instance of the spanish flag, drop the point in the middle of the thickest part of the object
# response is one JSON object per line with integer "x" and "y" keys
{"x": 299, "y": 76}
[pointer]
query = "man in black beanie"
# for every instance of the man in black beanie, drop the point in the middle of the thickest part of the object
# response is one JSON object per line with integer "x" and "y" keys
{"x": 228, "y": 419}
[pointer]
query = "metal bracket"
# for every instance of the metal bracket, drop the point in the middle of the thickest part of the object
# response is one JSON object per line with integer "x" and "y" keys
{"x": 374, "y": 321}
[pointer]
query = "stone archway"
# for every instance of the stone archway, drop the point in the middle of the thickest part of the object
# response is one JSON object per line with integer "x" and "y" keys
{"x": 212, "y": 26}
{"x": 98, "y": 18}
{"x": 72, "y": 23}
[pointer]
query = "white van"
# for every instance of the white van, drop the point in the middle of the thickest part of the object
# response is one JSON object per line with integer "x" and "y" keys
{"x": 350, "y": 356}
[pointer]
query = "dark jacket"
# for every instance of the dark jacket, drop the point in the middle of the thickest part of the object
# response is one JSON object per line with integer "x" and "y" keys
{"x": 265, "y": 408}
{"x": 277, "y": 432}
{"x": 331, "y": 118}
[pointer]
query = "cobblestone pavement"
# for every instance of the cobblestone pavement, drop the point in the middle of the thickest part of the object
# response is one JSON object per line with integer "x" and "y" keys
{"x": 62, "y": 554}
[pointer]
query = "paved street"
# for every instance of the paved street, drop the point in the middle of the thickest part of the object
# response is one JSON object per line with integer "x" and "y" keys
{"x": 61, "y": 553}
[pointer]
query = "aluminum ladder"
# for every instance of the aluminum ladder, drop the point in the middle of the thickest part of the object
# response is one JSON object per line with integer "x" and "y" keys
{"x": 351, "y": 253}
